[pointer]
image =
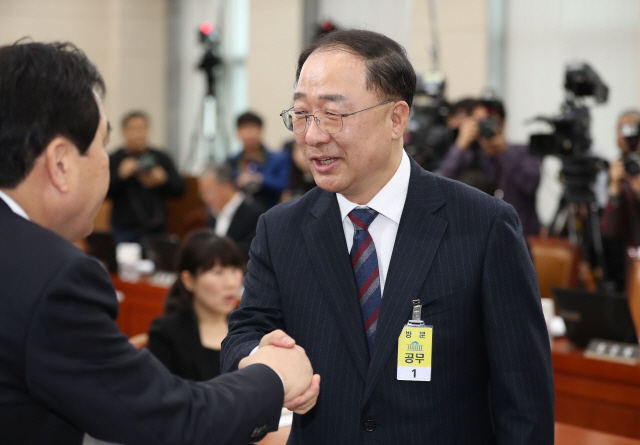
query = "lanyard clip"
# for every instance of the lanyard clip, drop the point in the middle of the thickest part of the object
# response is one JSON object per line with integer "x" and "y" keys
{"x": 416, "y": 318}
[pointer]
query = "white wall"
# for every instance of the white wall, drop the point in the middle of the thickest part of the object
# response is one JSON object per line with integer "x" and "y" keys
{"x": 544, "y": 35}
{"x": 125, "y": 39}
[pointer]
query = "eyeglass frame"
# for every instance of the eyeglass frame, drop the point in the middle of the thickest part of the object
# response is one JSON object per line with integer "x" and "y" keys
{"x": 317, "y": 120}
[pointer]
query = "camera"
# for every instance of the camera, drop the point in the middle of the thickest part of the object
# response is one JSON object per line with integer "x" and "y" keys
{"x": 428, "y": 137}
{"x": 632, "y": 163}
{"x": 570, "y": 136}
{"x": 146, "y": 162}
{"x": 487, "y": 127}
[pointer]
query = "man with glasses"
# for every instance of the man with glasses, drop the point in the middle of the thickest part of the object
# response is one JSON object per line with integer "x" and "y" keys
{"x": 381, "y": 242}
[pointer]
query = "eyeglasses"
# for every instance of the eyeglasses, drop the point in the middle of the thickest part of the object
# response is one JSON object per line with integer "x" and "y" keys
{"x": 328, "y": 121}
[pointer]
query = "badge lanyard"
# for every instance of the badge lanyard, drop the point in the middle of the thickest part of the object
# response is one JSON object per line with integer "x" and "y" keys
{"x": 414, "y": 348}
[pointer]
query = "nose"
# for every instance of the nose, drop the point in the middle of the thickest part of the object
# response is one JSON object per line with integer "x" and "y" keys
{"x": 313, "y": 135}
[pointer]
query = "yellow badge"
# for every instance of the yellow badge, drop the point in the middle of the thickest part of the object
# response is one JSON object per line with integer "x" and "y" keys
{"x": 414, "y": 353}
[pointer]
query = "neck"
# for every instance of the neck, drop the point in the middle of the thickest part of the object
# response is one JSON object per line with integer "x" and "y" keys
{"x": 369, "y": 191}
{"x": 209, "y": 317}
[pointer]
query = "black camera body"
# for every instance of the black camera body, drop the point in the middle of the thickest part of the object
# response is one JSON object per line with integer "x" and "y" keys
{"x": 571, "y": 137}
{"x": 146, "y": 162}
{"x": 487, "y": 127}
{"x": 428, "y": 137}
{"x": 632, "y": 163}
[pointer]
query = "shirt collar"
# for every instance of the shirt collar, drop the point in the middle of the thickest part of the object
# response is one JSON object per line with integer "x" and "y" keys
{"x": 390, "y": 200}
{"x": 233, "y": 204}
{"x": 13, "y": 205}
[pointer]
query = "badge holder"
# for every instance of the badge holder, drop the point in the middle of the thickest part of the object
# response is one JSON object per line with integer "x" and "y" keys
{"x": 414, "y": 348}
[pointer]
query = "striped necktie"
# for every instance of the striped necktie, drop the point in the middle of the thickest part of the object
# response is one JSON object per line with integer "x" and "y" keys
{"x": 364, "y": 261}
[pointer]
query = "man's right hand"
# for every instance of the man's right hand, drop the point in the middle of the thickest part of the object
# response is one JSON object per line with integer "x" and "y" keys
{"x": 127, "y": 168}
{"x": 468, "y": 132}
{"x": 289, "y": 361}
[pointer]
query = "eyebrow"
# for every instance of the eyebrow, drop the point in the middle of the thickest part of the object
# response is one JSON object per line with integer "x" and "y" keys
{"x": 327, "y": 97}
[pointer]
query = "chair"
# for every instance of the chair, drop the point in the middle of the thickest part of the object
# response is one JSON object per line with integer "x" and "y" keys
{"x": 633, "y": 291}
{"x": 556, "y": 261}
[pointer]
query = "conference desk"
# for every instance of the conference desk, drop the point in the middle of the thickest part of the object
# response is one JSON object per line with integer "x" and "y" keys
{"x": 596, "y": 394}
{"x": 143, "y": 302}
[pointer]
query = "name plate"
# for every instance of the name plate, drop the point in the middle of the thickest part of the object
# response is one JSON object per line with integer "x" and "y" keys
{"x": 613, "y": 351}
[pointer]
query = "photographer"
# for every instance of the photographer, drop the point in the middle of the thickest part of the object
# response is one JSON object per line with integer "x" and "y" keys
{"x": 141, "y": 177}
{"x": 482, "y": 158}
{"x": 621, "y": 218}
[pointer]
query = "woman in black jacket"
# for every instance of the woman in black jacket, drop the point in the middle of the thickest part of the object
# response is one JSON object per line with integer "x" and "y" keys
{"x": 187, "y": 339}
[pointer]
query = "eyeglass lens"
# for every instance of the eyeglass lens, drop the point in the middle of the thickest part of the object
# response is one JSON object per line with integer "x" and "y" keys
{"x": 328, "y": 121}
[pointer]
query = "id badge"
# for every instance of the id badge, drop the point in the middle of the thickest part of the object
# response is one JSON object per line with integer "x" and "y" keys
{"x": 414, "y": 348}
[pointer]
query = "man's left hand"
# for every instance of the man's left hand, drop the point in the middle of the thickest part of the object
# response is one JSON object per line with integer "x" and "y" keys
{"x": 153, "y": 178}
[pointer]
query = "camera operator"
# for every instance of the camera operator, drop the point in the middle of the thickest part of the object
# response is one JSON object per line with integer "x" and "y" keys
{"x": 621, "y": 218}
{"x": 482, "y": 158}
{"x": 141, "y": 177}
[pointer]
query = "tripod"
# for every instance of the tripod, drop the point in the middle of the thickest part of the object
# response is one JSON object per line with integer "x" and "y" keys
{"x": 578, "y": 211}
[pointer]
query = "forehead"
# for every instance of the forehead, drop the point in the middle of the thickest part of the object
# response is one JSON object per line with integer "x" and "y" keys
{"x": 334, "y": 74}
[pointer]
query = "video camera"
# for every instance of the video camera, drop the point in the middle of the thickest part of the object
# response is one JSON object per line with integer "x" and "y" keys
{"x": 571, "y": 136}
{"x": 428, "y": 137}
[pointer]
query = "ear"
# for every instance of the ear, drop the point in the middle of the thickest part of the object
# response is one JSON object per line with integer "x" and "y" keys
{"x": 399, "y": 119}
{"x": 60, "y": 156}
{"x": 187, "y": 280}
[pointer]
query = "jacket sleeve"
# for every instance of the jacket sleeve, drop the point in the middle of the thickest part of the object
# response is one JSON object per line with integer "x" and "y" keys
{"x": 454, "y": 162}
{"x": 276, "y": 172}
{"x": 516, "y": 338}
{"x": 260, "y": 310}
{"x": 78, "y": 364}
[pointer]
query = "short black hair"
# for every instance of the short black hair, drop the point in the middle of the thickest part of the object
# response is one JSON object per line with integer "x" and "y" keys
{"x": 496, "y": 107}
{"x": 46, "y": 90}
{"x": 388, "y": 69}
{"x": 133, "y": 114}
{"x": 465, "y": 105}
{"x": 200, "y": 251}
{"x": 248, "y": 118}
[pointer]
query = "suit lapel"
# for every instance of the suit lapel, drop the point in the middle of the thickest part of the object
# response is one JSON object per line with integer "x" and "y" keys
{"x": 416, "y": 244}
{"x": 324, "y": 237}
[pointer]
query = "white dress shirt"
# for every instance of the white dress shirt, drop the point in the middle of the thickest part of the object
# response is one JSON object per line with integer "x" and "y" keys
{"x": 13, "y": 205}
{"x": 389, "y": 203}
{"x": 224, "y": 217}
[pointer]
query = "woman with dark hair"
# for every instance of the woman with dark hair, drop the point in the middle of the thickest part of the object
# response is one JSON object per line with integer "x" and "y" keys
{"x": 187, "y": 339}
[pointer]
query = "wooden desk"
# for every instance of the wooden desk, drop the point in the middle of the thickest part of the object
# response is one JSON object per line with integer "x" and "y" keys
{"x": 596, "y": 394}
{"x": 575, "y": 435}
{"x": 143, "y": 302}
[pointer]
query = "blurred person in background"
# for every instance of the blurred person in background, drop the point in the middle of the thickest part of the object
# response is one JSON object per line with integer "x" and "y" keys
{"x": 229, "y": 212}
{"x": 187, "y": 338}
{"x": 259, "y": 172}
{"x": 620, "y": 221}
{"x": 482, "y": 158}
{"x": 300, "y": 177}
{"x": 141, "y": 178}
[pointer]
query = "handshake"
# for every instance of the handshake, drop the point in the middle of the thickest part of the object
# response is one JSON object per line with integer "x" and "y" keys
{"x": 279, "y": 352}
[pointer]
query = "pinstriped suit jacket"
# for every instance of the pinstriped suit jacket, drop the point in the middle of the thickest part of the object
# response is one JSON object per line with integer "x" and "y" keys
{"x": 463, "y": 255}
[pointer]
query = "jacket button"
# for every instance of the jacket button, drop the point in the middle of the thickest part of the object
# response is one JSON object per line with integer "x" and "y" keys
{"x": 369, "y": 425}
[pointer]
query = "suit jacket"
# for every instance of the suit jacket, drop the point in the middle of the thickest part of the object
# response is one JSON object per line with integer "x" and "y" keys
{"x": 242, "y": 228}
{"x": 462, "y": 254}
{"x": 66, "y": 369}
{"x": 175, "y": 340}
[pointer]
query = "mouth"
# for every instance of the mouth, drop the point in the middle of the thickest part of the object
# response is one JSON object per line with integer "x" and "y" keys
{"x": 323, "y": 164}
{"x": 229, "y": 300}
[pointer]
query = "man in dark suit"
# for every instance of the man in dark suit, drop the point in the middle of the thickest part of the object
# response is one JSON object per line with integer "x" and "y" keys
{"x": 230, "y": 213}
{"x": 343, "y": 269}
{"x": 64, "y": 366}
